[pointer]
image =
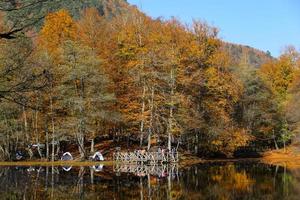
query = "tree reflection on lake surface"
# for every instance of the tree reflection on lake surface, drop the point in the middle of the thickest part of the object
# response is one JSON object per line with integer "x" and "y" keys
{"x": 242, "y": 180}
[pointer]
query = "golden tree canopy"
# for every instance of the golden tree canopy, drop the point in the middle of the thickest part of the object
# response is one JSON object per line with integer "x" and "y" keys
{"x": 58, "y": 27}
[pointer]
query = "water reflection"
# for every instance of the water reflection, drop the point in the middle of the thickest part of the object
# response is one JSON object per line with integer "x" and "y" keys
{"x": 98, "y": 168}
{"x": 67, "y": 168}
{"x": 205, "y": 181}
{"x": 160, "y": 171}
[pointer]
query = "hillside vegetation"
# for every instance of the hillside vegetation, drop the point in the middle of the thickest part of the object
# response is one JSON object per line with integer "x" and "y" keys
{"x": 241, "y": 55}
{"x": 89, "y": 71}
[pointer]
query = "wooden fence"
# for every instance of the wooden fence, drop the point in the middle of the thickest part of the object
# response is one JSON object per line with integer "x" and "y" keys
{"x": 146, "y": 157}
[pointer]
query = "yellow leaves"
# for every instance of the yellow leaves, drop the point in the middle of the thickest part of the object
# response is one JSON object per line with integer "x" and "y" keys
{"x": 279, "y": 76}
{"x": 223, "y": 84}
{"x": 265, "y": 129}
{"x": 229, "y": 140}
{"x": 217, "y": 142}
{"x": 222, "y": 91}
{"x": 92, "y": 28}
{"x": 220, "y": 60}
{"x": 58, "y": 28}
{"x": 212, "y": 77}
{"x": 142, "y": 53}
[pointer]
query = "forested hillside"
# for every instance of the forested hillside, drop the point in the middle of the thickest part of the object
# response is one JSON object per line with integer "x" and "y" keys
{"x": 241, "y": 54}
{"x": 72, "y": 72}
{"x": 21, "y": 16}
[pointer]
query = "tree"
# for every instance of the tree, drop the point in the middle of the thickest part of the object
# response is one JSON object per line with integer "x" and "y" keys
{"x": 58, "y": 27}
{"x": 131, "y": 59}
{"x": 148, "y": 81}
{"x": 279, "y": 76}
{"x": 256, "y": 111}
{"x": 291, "y": 111}
{"x": 213, "y": 92}
{"x": 92, "y": 30}
{"x": 21, "y": 78}
{"x": 17, "y": 76}
{"x": 84, "y": 93}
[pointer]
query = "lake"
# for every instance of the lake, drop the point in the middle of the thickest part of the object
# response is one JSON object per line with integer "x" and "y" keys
{"x": 216, "y": 180}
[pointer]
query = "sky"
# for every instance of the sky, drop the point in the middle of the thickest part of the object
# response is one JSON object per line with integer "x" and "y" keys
{"x": 263, "y": 24}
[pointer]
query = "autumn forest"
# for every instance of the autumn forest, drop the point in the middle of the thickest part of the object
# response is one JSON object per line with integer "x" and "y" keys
{"x": 82, "y": 75}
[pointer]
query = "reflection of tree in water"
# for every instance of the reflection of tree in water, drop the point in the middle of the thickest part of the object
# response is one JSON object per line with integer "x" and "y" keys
{"x": 295, "y": 182}
{"x": 238, "y": 181}
{"x": 205, "y": 181}
{"x": 232, "y": 179}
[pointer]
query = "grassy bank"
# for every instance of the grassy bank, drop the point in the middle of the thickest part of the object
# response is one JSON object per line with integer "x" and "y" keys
{"x": 185, "y": 162}
{"x": 289, "y": 157}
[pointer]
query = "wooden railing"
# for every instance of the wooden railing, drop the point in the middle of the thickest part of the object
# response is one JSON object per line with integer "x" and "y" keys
{"x": 146, "y": 157}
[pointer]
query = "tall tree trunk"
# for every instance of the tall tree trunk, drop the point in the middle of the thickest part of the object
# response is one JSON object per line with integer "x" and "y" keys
{"x": 92, "y": 145}
{"x": 170, "y": 127}
{"x": 36, "y": 132}
{"x": 25, "y": 124}
{"x": 80, "y": 140}
{"x": 151, "y": 118}
{"x": 39, "y": 148}
{"x": 143, "y": 110}
{"x": 53, "y": 125}
{"x": 8, "y": 139}
{"x": 141, "y": 57}
{"x": 275, "y": 142}
{"x": 81, "y": 123}
{"x": 47, "y": 139}
{"x": 57, "y": 148}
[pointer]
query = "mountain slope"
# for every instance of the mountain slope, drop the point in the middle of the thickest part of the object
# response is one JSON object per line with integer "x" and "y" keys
{"x": 109, "y": 8}
{"x": 33, "y": 12}
{"x": 241, "y": 54}
{"x": 105, "y": 7}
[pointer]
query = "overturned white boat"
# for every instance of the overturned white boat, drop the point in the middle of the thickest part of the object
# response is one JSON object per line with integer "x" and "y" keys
{"x": 67, "y": 156}
{"x": 97, "y": 156}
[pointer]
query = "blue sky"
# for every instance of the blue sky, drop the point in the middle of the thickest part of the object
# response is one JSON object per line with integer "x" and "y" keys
{"x": 263, "y": 24}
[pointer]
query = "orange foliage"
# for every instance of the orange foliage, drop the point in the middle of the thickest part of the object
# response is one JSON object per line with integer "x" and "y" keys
{"x": 230, "y": 140}
{"x": 92, "y": 30}
{"x": 279, "y": 76}
{"x": 1, "y": 22}
{"x": 58, "y": 28}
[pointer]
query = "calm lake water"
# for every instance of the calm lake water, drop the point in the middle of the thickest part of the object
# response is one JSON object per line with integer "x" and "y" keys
{"x": 243, "y": 180}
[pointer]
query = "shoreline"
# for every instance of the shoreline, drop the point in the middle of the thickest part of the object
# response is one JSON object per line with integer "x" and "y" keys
{"x": 182, "y": 163}
{"x": 286, "y": 158}
{"x": 55, "y": 163}
{"x": 279, "y": 157}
